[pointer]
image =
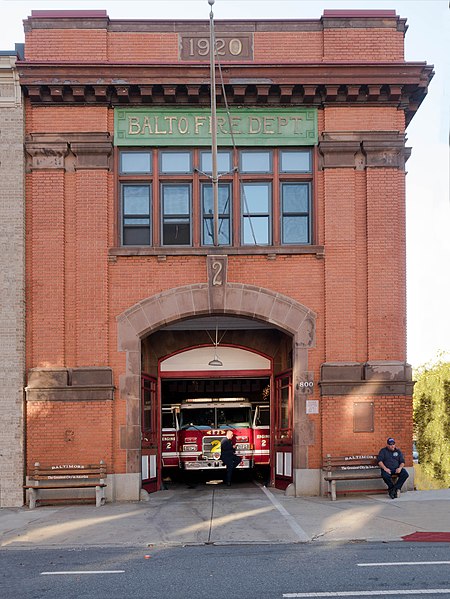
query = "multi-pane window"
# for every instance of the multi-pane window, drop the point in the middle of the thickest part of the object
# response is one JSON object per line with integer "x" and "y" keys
{"x": 176, "y": 213}
{"x": 136, "y": 214}
{"x": 295, "y": 211}
{"x": 224, "y": 208}
{"x": 256, "y": 210}
{"x": 167, "y": 200}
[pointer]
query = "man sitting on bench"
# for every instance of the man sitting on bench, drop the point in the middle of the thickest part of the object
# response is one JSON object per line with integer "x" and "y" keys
{"x": 392, "y": 463}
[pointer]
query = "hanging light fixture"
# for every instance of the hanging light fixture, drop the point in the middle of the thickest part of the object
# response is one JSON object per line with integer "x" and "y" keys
{"x": 215, "y": 361}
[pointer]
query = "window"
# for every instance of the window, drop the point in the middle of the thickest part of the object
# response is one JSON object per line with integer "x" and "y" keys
{"x": 136, "y": 214}
{"x": 254, "y": 161}
{"x": 166, "y": 197}
{"x": 135, "y": 162}
{"x": 224, "y": 213}
{"x": 223, "y": 162}
{"x": 295, "y": 212}
{"x": 255, "y": 210}
{"x": 176, "y": 214}
{"x": 175, "y": 162}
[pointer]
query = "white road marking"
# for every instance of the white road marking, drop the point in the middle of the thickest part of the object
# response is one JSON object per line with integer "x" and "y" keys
{"x": 83, "y": 572}
{"x": 290, "y": 519}
{"x": 372, "y": 593}
{"x": 404, "y": 564}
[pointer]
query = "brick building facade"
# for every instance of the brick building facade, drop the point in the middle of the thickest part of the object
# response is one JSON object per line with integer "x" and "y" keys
{"x": 12, "y": 283}
{"x": 122, "y": 270}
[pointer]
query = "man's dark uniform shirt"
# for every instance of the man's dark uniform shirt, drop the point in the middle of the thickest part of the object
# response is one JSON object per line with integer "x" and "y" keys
{"x": 391, "y": 459}
{"x": 226, "y": 450}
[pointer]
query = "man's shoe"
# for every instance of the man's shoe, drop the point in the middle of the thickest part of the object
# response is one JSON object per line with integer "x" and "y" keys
{"x": 392, "y": 493}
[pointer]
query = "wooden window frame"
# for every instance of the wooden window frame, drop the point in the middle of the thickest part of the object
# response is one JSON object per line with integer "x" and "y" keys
{"x": 195, "y": 178}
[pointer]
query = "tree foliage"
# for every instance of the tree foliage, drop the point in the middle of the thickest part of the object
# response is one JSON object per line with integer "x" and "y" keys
{"x": 431, "y": 401}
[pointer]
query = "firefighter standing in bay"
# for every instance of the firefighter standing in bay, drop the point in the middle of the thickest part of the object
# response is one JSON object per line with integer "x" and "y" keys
{"x": 228, "y": 455}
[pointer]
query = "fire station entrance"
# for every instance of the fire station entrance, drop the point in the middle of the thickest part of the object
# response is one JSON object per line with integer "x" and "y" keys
{"x": 218, "y": 373}
{"x": 208, "y": 335}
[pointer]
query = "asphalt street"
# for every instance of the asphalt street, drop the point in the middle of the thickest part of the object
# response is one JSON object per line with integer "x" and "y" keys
{"x": 229, "y": 571}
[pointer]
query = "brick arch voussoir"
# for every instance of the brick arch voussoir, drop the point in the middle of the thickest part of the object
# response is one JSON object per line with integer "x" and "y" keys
{"x": 239, "y": 299}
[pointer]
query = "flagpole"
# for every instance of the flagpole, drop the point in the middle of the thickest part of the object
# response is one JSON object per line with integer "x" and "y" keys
{"x": 214, "y": 174}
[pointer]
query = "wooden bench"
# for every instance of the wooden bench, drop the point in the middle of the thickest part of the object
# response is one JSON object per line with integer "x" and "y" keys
{"x": 353, "y": 467}
{"x": 45, "y": 478}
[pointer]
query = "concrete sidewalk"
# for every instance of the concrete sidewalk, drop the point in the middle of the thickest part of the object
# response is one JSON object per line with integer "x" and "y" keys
{"x": 243, "y": 513}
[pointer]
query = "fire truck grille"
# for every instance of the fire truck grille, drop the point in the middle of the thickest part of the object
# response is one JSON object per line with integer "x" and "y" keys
{"x": 211, "y": 446}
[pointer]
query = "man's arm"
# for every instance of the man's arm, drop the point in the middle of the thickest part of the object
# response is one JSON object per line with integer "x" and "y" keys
{"x": 381, "y": 463}
{"x": 383, "y": 467}
{"x": 402, "y": 463}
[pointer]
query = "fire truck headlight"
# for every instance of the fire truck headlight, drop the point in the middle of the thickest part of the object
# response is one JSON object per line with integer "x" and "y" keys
{"x": 242, "y": 446}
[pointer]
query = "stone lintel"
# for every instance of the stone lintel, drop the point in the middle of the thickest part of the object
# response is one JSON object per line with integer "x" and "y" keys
{"x": 363, "y": 149}
{"x": 71, "y": 394}
{"x": 370, "y": 378}
{"x": 92, "y": 155}
{"x": 70, "y": 384}
{"x": 68, "y": 151}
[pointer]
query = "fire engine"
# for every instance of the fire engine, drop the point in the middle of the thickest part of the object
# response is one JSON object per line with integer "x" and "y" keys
{"x": 261, "y": 436}
{"x": 193, "y": 429}
{"x": 202, "y": 426}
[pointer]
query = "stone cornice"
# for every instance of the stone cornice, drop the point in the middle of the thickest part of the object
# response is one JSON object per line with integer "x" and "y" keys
{"x": 71, "y": 151}
{"x": 402, "y": 85}
{"x": 100, "y": 20}
{"x": 369, "y": 378}
{"x": 362, "y": 150}
{"x": 70, "y": 384}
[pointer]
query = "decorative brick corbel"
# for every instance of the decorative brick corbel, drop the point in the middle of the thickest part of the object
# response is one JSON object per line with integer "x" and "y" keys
{"x": 339, "y": 154}
{"x": 92, "y": 154}
{"x": 48, "y": 155}
{"x": 386, "y": 153}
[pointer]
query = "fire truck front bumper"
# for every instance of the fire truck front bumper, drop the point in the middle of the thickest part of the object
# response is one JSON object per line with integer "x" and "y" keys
{"x": 213, "y": 465}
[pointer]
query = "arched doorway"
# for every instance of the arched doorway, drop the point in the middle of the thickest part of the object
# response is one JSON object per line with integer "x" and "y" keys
{"x": 156, "y": 314}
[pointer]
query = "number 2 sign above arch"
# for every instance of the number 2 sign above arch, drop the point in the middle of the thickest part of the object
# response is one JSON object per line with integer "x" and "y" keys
{"x": 217, "y": 270}
{"x": 229, "y": 46}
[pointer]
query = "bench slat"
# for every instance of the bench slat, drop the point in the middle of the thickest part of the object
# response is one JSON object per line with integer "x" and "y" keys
{"x": 355, "y": 467}
{"x": 48, "y": 477}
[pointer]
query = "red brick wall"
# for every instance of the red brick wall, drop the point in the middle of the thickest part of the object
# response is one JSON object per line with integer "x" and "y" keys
{"x": 142, "y": 47}
{"x": 80, "y": 431}
{"x": 75, "y": 45}
{"x": 291, "y": 46}
{"x": 76, "y": 119}
{"x": 386, "y": 264}
{"x": 45, "y": 266}
{"x": 393, "y": 417}
{"x": 329, "y": 45}
{"x": 363, "y": 45}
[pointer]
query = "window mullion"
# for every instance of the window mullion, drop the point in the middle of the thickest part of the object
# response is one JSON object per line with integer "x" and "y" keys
{"x": 156, "y": 202}
{"x": 276, "y": 209}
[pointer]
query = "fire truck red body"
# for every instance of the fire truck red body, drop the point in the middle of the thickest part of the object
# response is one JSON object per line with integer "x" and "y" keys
{"x": 192, "y": 432}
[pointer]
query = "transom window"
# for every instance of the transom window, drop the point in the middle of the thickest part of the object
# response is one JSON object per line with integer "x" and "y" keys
{"x": 264, "y": 197}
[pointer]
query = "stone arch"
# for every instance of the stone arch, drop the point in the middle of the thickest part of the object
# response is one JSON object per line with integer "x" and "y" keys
{"x": 179, "y": 303}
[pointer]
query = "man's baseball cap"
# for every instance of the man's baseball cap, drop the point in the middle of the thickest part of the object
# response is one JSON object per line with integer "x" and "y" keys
{"x": 390, "y": 441}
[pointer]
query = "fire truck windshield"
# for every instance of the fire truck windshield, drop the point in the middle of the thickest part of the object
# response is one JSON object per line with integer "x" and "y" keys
{"x": 202, "y": 417}
{"x": 233, "y": 417}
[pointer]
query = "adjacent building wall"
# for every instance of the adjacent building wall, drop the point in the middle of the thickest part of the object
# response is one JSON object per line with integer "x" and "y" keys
{"x": 12, "y": 300}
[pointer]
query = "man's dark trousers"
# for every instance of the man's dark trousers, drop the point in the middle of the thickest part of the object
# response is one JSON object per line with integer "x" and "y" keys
{"x": 387, "y": 477}
{"x": 231, "y": 463}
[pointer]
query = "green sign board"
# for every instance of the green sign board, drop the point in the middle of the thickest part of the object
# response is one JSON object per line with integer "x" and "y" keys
{"x": 192, "y": 127}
